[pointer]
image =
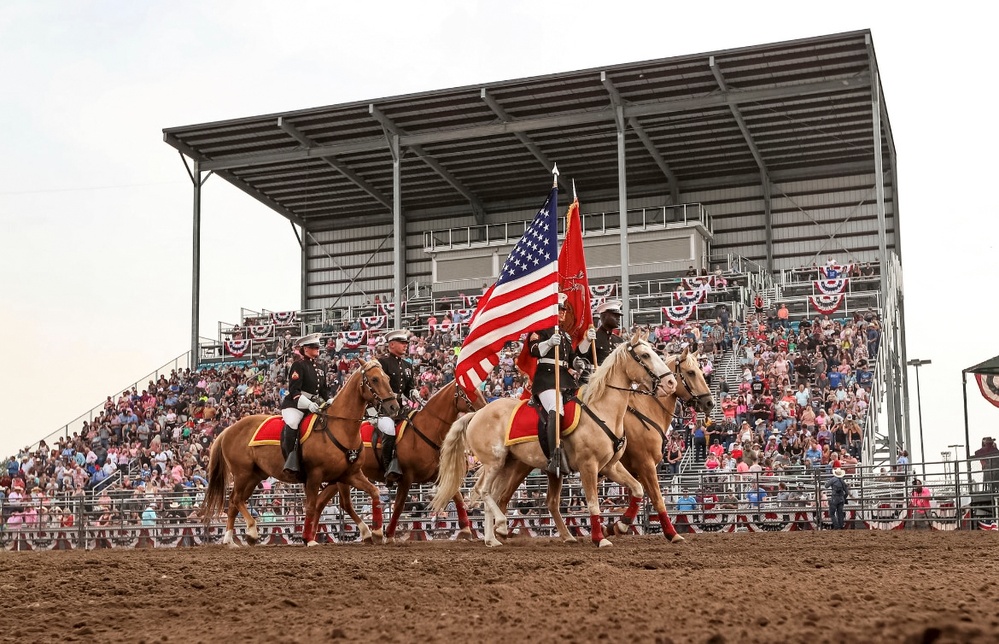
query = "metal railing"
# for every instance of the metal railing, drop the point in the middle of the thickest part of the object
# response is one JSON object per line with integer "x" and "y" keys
{"x": 507, "y": 233}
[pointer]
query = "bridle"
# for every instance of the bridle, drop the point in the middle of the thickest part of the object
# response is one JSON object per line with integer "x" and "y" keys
{"x": 366, "y": 385}
{"x": 655, "y": 379}
{"x": 692, "y": 399}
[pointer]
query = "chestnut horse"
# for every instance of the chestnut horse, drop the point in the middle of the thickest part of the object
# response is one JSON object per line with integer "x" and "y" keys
{"x": 330, "y": 456}
{"x": 419, "y": 455}
{"x": 592, "y": 448}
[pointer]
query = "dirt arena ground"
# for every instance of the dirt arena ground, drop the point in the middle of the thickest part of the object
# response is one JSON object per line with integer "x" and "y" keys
{"x": 764, "y": 587}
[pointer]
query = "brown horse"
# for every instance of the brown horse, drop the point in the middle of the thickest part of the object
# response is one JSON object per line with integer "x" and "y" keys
{"x": 330, "y": 456}
{"x": 648, "y": 420}
{"x": 418, "y": 452}
{"x": 593, "y": 448}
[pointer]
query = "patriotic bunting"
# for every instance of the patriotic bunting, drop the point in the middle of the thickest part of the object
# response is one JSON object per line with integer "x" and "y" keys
{"x": 596, "y": 302}
{"x": 602, "y": 290}
{"x": 284, "y": 318}
{"x": 388, "y": 308}
{"x": 236, "y": 348}
{"x": 989, "y": 386}
{"x": 826, "y": 304}
{"x": 444, "y": 324}
{"x": 373, "y": 322}
{"x": 694, "y": 283}
{"x": 461, "y": 316}
{"x": 679, "y": 314}
{"x": 831, "y": 286}
{"x": 470, "y": 301}
{"x": 353, "y": 339}
{"x": 694, "y": 296}
{"x": 261, "y": 331}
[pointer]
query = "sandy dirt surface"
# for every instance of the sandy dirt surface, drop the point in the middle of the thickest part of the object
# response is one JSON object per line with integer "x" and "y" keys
{"x": 764, "y": 587}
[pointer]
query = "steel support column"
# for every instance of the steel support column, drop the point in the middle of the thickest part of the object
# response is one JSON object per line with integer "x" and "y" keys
{"x": 879, "y": 187}
{"x": 303, "y": 242}
{"x": 196, "y": 268}
{"x": 622, "y": 200}
{"x": 399, "y": 231}
{"x": 769, "y": 222}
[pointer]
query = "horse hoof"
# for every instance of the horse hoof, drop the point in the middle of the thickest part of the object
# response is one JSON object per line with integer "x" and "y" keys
{"x": 676, "y": 539}
{"x": 570, "y": 540}
{"x": 495, "y": 543}
{"x": 621, "y": 528}
{"x": 501, "y": 530}
{"x": 312, "y": 543}
{"x": 604, "y": 543}
{"x": 465, "y": 534}
{"x": 232, "y": 544}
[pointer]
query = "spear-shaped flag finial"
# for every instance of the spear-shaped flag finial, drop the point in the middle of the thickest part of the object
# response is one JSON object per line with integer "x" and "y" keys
{"x": 555, "y": 174}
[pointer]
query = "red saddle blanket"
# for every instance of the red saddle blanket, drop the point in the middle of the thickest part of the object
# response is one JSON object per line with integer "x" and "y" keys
{"x": 269, "y": 431}
{"x": 367, "y": 429}
{"x": 523, "y": 425}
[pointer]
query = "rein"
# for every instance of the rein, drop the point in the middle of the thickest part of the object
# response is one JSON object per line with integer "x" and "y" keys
{"x": 617, "y": 442}
{"x": 351, "y": 454}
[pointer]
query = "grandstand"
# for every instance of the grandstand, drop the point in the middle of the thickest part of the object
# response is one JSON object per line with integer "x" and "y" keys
{"x": 755, "y": 180}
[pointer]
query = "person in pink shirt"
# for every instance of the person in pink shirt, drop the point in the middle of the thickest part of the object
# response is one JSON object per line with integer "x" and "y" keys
{"x": 920, "y": 503}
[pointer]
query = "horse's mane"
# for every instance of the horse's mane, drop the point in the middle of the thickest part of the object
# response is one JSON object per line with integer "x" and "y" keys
{"x": 599, "y": 380}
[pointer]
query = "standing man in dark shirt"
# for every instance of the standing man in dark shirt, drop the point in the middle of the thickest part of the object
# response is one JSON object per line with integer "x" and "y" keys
{"x": 306, "y": 392}
{"x": 400, "y": 374}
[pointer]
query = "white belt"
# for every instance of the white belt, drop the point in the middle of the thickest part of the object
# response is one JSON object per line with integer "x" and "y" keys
{"x": 551, "y": 361}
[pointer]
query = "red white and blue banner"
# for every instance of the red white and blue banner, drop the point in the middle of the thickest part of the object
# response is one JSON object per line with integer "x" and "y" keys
{"x": 989, "y": 386}
{"x": 693, "y": 296}
{"x": 236, "y": 348}
{"x": 353, "y": 339}
{"x": 679, "y": 314}
{"x": 373, "y": 322}
{"x": 461, "y": 316}
{"x": 261, "y": 331}
{"x": 388, "y": 308}
{"x": 603, "y": 290}
{"x": 826, "y": 304}
{"x": 470, "y": 301}
{"x": 694, "y": 283}
{"x": 596, "y": 302}
{"x": 831, "y": 286}
{"x": 284, "y": 318}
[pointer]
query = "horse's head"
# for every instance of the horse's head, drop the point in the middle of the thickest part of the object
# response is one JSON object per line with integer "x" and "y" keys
{"x": 690, "y": 384}
{"x": 646, "y": 365}
{"x": 463, "y": 402}
{"x": 376, "y": 389}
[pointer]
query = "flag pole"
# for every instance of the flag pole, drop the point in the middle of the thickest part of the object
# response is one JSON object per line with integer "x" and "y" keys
{"x": 593, "y": 345}
{"x": 557, "y": 448}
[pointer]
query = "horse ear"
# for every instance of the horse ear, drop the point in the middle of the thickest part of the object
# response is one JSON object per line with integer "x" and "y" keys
{"x": 636, "y": 337}
{"x": 683, "y": 355}
{"x": 644, "y": 331}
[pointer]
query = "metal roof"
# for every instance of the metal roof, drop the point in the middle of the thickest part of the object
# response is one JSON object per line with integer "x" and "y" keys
{"x": 799, "y": 109}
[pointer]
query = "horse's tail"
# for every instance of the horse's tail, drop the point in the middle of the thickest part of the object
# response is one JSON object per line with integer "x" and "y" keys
{"x": 218, "y": 476}
{"x": 453, "y": 464}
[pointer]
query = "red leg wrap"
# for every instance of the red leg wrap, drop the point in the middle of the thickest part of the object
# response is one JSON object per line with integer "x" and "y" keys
{"x": 390, "y": 530}
{"x": 596, "y": 530}
{"x": 632, "y": 511}
{"x": 462, "y": 516}
{"x": 376, "y": 515}
{"x": 667, "y": 525}
{"x": 307, "y": 530}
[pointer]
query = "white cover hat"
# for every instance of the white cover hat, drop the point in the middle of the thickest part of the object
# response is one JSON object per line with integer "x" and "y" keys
{"x": 610, "y": 306}
{"x": 400, "y": 335}
{"x": 312, "y": 338}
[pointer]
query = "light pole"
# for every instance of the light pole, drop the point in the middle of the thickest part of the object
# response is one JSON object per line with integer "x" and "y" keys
{"x": 945, "y": 457}
{"x": 917, "y": 363}
{"x": 957, "y": 475}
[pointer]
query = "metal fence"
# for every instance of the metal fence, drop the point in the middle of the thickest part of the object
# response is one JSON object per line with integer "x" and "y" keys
{"x": 879, "y": 499}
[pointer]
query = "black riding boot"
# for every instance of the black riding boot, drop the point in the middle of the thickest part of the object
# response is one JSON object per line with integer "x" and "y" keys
{"x": 289, "y": 447}
{"x": 557, "y": 463}
{"x": 389, "y": 461}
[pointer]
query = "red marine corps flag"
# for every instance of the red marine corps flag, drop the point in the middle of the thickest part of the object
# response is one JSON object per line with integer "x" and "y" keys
{"x": 572, "y": 278}
{"x": 523, "y": 299}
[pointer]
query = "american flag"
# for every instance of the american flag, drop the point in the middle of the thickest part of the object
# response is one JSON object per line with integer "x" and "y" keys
{"x": 523, "y": 299}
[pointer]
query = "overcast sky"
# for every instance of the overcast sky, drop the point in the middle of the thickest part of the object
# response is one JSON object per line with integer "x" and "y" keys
{"x": 95, "y": 210}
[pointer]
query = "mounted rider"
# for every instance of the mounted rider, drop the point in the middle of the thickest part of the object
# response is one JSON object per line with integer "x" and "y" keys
{"x": 607, "y": 339}
{"x": 307, "y": 390}
{"x": 541, "y": 345}
{"x": 403, "y": 382}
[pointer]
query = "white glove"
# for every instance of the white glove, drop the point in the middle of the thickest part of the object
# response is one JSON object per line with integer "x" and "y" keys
{"x": 414, "y": 394}
{"x": 313, "y": 408}
{"x": 304, "y": 401}
{"x": 591, "y": 334}
{"x": 554, "y": 341}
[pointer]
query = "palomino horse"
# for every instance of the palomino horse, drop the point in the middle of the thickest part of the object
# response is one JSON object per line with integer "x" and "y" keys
{"x": 645, "y": 425}
{"x": 329, "y": 457}
{"x": 594, "y": 447}
{"x": 419, "y": 455}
